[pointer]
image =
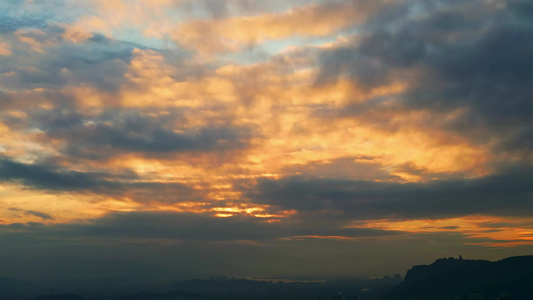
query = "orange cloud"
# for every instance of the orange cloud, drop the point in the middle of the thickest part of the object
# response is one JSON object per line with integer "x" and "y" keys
{"x": 232, "y": 34}
{"x": 504, "y": 232}
{"x": 76, "y": 35}
{"x": 289, "y": 112}
{"x": 36, "y": 39}
{"x": 113, "y": 14}
{"x": 62, "y": 209}
{"x": 5, "y": 49}
{"x": 282, "y": 106}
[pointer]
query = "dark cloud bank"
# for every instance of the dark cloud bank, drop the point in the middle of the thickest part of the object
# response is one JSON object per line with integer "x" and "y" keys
{"x": 48, "y": 177}
{"x": 134, "y": 133}
{"x": 468, "y": 55}
{"x": 508, "y": 193}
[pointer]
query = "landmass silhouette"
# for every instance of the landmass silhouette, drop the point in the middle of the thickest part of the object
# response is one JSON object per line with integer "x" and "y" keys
{"x": 451, "y": 278}
{"x": 446, "y": 278}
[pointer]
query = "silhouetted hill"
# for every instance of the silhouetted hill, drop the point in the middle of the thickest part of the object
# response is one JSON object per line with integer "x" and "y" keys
{"x": 450, "y": 277}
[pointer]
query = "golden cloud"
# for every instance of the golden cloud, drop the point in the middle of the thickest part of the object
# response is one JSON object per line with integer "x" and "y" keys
{"x": 232, "y": 34}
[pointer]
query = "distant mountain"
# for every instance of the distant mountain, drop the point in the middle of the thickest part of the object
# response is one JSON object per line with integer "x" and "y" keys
{"x": 460, "y": 279}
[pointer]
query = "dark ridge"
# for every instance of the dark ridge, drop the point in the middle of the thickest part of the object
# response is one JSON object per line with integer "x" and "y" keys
{"x": 461, "y": 279}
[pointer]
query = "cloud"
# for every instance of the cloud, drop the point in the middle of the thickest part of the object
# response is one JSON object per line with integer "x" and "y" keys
{"x": 466, "y": 65}
{"x": 38, "y": 214}
{"x": 489, "y": 77}
{"x": 234, "y": 33}
{"x": 223, "y": 9}
{"x": 125, "y": 186}
{"x": 506, "y": 193}
{"x": 41, "y": 176}
{"x": 122, "y": 132}
{"x": 47, "y": 58}
{"x": 13, "y": 23}
{"x": 34, "y": 213}
{"x": 196, "y": 227}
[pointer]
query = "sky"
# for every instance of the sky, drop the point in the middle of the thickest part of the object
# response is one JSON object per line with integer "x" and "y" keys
{"x": 285, "y": 139}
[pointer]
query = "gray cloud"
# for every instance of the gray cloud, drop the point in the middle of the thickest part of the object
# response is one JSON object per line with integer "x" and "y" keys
{"x": 115, "y": 132}
{"x": 34, "y": 213}
{"x": 160, "y": 140}
{"x": 471, "y": 56}
{"x": 192, "y": 227}
{"x": 17, "y": 14}
{"x": 51, "y": 178}
{"x": 39, "y": 214}
{"x": 99, "y": 61}
{"x": 362, "y": 167}
{"x": 507, "y": 193}
{"x": 11, "y": 23}
{"x": 223, "y": 9}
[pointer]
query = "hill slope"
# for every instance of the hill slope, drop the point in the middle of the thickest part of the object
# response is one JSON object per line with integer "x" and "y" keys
{"x": 457, "y": 277}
